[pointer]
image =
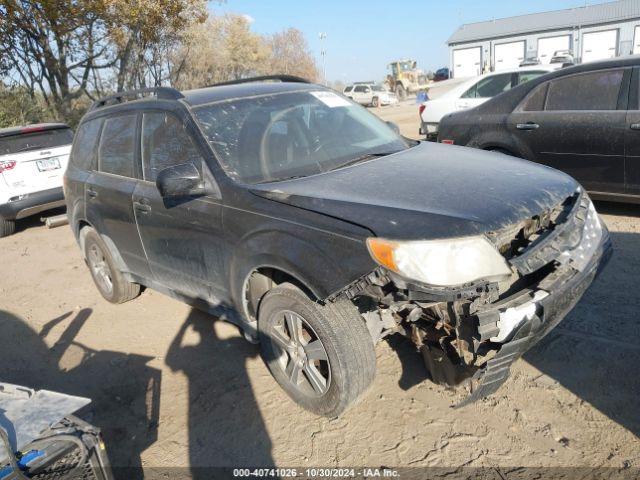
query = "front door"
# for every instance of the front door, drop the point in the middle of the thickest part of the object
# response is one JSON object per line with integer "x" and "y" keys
{"x": 182, "y": 237}
{"x": 577, "y": 124}
{"x": 109, "y": 189}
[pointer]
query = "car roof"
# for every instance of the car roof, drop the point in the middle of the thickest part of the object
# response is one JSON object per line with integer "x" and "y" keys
{"x": 203, "y": 96}
{"x": 36, "y": 127}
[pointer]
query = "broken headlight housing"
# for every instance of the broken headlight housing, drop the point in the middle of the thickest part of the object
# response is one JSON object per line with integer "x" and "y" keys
{"x": 442, "y": 263}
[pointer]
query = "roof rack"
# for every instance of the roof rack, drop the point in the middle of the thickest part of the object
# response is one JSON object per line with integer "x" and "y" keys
{"x": 162, "y": 93}
{"x": 264, "y": 78}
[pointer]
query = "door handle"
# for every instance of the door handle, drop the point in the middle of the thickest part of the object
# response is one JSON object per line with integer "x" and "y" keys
{"x": 92, "y": 193}
{"x": 141, "y": 207}
{"x": 635, "y": 126}
{"x": 527, "y": 126}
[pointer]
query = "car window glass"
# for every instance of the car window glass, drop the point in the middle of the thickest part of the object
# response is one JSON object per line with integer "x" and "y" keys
{"x": 278, "y": 136}
{"x": 165, "y": 143}
{"x": 586, "y": 91}
{"x": 37, "y": 139}
{"x": 83, "y": 152}
{"x": 524, "y": 77}
{"x": 348, "y": 89}
{"x": 360, "y": 88}
{"x": 117, "y": 145}
{"x": 534, "y": 102}
{"x": 492, "y": 86}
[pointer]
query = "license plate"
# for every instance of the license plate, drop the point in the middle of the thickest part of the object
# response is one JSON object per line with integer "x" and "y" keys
{"x": 48, "y": 164}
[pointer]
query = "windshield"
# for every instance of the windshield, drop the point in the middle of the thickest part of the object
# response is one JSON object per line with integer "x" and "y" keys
{"x": 23, "y": 142}
{"x": 293, "y": 134}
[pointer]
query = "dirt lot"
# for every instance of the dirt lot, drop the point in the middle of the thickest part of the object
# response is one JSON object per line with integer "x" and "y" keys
{"x": 173, "y": 387}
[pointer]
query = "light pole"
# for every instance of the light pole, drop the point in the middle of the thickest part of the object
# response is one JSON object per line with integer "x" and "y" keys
{"x": 323, "y": 53}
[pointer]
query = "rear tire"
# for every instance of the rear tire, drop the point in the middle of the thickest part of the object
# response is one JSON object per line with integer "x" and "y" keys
{"x": 321, "y": 355}
{"x": 7, "y": 227}
{"x": 108, "y": 278}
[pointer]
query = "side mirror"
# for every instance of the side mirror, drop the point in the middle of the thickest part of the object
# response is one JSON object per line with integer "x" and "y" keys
{"x": 394, "y": 127}
{"x": 182, "y": 180}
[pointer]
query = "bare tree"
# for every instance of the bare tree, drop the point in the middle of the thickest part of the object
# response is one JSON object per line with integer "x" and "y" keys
{"x": 290, "y": 55}
{"x": 224, "y": 48}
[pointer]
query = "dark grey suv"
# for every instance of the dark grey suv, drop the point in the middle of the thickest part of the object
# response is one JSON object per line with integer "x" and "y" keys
{"x": 292, "y": 212}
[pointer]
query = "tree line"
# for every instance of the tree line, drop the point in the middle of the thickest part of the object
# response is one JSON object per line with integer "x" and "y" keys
{"x": 57, "y": 56}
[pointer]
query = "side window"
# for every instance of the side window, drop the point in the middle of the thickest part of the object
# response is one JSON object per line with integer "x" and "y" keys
{"x": 165, "y": 143}
{"x": 534, "y": 102}
{"x": 585, "y": 91}
{"x": 117, "y": 145}
{"x": 524, "y": 77}
{"x": 348, "y": 89}
{"x": 490, "y": 87}
{"x": 359, "y": 89}
{"x": 83, "y": 152}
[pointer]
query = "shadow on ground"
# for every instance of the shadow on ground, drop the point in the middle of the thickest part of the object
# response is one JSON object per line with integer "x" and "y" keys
{"x": 225, "y": 427}
{"x": 225, "y": 424}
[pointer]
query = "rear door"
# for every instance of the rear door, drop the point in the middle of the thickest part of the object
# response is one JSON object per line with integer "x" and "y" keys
{"x": 109, "y": 191}
{"x": 576, "y": 123}
{"x": 632, "y": 137}
{"x": 183, "y": 238}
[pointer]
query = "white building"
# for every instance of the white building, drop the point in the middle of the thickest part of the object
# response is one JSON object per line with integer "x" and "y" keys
{"x": 592, "y": 32}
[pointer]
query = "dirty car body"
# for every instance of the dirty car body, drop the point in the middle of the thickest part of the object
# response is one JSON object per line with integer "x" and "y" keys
{"x": 471, "y": 255}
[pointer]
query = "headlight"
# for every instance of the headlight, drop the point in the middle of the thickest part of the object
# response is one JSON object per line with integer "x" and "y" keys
{"x": 444, "y": 263}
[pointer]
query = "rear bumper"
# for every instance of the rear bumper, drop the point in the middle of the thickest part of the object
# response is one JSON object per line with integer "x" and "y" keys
{"x": 31, "y": 204}
{"x": 564, "y": 294}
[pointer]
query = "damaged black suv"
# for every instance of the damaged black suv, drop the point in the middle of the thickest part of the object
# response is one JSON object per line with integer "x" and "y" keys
{"x": 292, "y": 212}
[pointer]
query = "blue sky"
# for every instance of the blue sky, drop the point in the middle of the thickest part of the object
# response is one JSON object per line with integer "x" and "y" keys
{"x": 363, "y": 36}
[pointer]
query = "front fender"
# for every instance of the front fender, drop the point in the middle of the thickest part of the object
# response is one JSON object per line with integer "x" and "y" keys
{"x": 321, "y": 261}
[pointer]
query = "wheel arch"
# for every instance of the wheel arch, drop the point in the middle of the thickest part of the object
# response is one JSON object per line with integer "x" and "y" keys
{"x": 83, "y": 227}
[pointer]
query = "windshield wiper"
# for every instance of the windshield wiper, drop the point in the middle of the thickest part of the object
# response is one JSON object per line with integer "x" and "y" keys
{"x": 362, "y": 158}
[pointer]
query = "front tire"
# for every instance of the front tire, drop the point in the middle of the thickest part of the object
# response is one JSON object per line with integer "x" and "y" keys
{"x": 375, "y": 103}
{"x": 321, "y": 355}
{"x": 7, "y": 227}
{"x": 401, "y": 93}
{"x": 108, "y": 278}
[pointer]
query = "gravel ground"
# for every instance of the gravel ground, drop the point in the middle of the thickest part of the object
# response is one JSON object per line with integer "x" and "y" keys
{"x": 173, "y": 387}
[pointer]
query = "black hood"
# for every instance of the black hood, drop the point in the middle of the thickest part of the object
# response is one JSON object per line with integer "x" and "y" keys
{"x": 429, "y": 191}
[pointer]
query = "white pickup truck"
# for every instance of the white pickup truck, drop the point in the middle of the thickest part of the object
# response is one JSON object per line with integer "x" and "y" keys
{"x": 471, "y": 93}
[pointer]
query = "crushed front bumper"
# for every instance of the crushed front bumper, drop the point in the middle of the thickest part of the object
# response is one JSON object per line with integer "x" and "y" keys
{"x": 565, "y": 290}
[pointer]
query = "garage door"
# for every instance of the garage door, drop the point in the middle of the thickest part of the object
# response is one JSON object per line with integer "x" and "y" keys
{"x": 550, "y": 45}
{"x": 636, "y": 41}
{"x": 508, "y": 55}
{"x": 467, "y": 62}
{"x": 599, "y": 45}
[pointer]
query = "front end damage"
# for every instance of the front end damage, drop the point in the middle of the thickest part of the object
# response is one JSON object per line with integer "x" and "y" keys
{"x": 476, "y": 332}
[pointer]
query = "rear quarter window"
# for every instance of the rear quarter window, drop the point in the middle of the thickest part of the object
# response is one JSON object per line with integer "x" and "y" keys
{"x": 83, "y": 153}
